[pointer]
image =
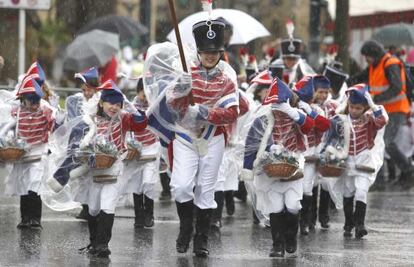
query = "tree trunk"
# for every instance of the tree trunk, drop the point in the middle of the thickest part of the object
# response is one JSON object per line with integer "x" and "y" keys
{"x": 341, "y": 32}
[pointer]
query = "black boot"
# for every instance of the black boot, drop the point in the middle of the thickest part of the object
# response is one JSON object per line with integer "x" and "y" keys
{"x": 185, "y": 213}
{"x": 148, "y": 212}
{"x": 202, "y": 229}
{"x": 105, "y": 223}
{"x": 277, "y": 229}
{"x": 165, "y": 184}
{"x": 313, "y": 210}
{"x": 349, "y": 216}
{"x": 24, "y": 212}
{"x": 323, "y": 212}
{"x": 359, "y": 216}
{"x": 92, "y": 227}
{"x": 241, "y": 193}
{"x": 35, "y": 210}
{"x": 291, "y": 226}
{"x": 139, "y": 210}
{"x": 83, "y": 214}
{"x": 228, "y": 195}
{"x": 217, "y": 213}
{"x": 305, "y": 214}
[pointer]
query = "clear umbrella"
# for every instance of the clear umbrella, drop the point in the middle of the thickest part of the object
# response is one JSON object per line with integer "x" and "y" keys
{"x": 94, "y": 48}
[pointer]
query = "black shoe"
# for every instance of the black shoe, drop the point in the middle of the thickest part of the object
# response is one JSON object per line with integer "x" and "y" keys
{"x": 348, "y": 231}
{"x": 24, "y": 224}
{"x": 323, "y": 212}
{"x": 325, "y": 225}
{"x": 88, "y": 249}
{"x": 230, "y": 208}
{"x": 139, "y": 210}
{"x": 25, "y": 212}
{"x": 181, "y": 248}
{"x": 83, "y": 214}
{"x": 277, "y": 252}
{"x": 359, "y": 215}
{"x": 305, "y": 214}
{"x": 312, "y": 228}
{"x": 360, "y": 231}
{"x": 148, "y": 212}
{"x": 139, "y": 223}
{"x": 200, "y": 247}
{"x": 101, "y": 252}
{"x": 35, "y": 224}
{"x": 149, "y": 221}
{"x": 291, "y": 224}
{"x": 349, "y": 216}
{"x": 217, "y": 212}
{"x": 165, "y": 183}
{"x": 304, "y": 230}
{"x": 103, "y": 234}
{"x": 277, "y": 228}
{"x": 241, "y": 193}
{"x": 185, "y": 213}
{"x": 216, "y": 224}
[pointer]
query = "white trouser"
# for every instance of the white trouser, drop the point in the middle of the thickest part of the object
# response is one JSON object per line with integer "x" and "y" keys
{"x": 357, "y": 186}
{"x": 309, "y": 177}
{"x": 103, "y": 197}
{"x": 142, "y": 177}
{"x": 190, "y": 170}
{"x": 273, "y": 196}
{"x": 228, "y": 176}
{"x": 25, "y": 177}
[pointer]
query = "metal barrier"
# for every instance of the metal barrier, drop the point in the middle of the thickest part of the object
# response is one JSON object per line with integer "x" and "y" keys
{"x": 61, "y": 91}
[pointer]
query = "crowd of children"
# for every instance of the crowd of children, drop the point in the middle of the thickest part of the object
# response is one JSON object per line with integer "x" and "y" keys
{"x": 211, "y": 134}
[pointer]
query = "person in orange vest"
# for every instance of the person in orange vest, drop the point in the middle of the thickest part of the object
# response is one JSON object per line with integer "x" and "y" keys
{"x": 385, "y": 76}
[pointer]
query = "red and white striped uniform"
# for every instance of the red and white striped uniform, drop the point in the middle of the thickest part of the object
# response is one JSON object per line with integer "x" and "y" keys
{"x": 287, "y": 133}
{"x": 145, "y": 136}
{"x": 116, "y": 130}
{"x": 215, "y": 90}
{"x": 34, "y": 127}
{"x": 329, "y": 108}
{"x": 363, "y": 132}
{"x": 315, "y": 134}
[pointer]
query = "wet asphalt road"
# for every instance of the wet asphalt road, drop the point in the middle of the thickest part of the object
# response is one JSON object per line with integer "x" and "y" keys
{"x": 390, "y": 241}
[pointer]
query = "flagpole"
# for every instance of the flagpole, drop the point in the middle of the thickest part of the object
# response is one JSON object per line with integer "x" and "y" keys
{"x": 179, "y": 43}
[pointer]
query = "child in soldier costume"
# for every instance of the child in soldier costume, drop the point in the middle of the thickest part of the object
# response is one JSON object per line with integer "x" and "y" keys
{"x": 142, "y": 173}
{"x": 305, "y": 90}
{"x": 282, "y": 127}
{"x": 74, "y": 108}
{"x": 33, "y": 123}
{"x": 108, "y": 125}
{"x": 196, "y": 161}
{"x": 322, "y": 98}
{"x": 364, "y": 160}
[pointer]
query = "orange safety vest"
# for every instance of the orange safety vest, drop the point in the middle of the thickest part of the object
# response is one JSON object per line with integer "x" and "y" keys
{"x": 378, "y": 84}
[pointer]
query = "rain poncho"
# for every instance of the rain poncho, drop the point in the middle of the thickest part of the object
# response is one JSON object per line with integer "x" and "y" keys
{"x": 167, "y": 89}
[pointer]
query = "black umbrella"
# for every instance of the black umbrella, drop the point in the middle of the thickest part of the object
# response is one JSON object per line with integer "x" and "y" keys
{"x": 126, "y": 27}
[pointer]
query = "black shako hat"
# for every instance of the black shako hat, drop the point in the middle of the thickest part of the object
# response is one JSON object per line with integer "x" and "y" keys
{"x": 290, "y": 47}
{"x": 336, "y": 77}
{"x": 209, "y": 35}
